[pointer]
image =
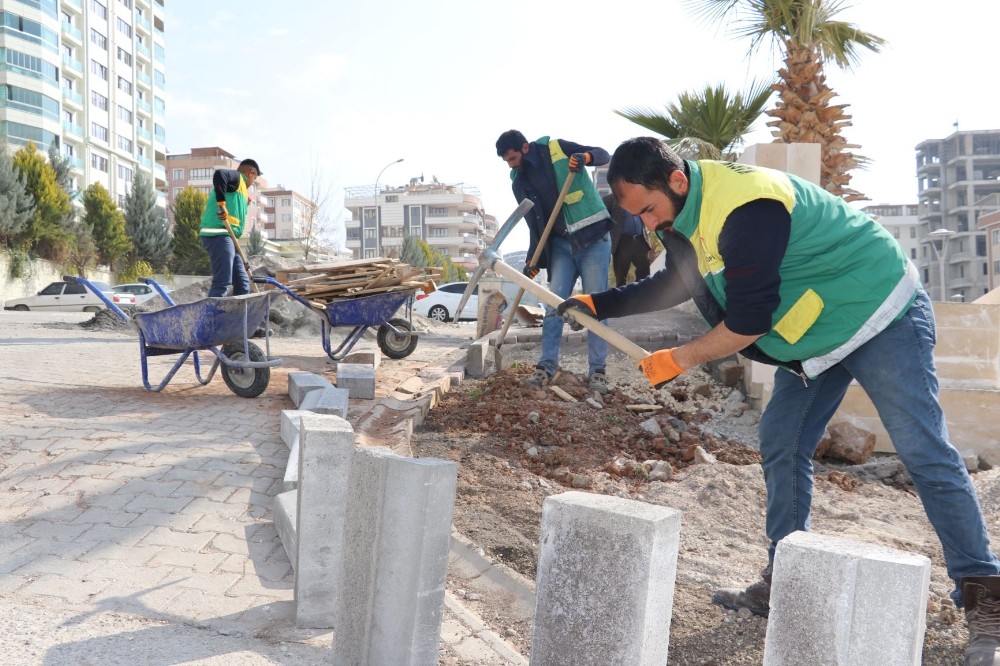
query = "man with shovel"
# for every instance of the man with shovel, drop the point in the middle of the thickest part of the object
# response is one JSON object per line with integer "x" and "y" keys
{"x": 230, "y": 202}
{"x": 791, "y": 275}
{"x": 569, "y": 213}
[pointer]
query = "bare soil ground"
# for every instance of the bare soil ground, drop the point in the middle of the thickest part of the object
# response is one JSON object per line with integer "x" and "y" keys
{"x": 515, "y": 446}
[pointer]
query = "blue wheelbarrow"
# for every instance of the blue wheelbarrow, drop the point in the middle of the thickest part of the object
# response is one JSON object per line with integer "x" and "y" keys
{"x": 221, "y": 326}
{"x": 395, "y": 336}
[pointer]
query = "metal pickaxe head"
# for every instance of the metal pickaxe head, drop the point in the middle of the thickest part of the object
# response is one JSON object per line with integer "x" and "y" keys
{"x": 489, "y": 254}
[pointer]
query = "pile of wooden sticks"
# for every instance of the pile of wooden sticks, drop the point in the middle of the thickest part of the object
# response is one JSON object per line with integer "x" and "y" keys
{"x": 322, "y": 283}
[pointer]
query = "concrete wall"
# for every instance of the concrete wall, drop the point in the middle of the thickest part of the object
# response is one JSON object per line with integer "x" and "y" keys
{"x": 967, "y": 355}
{"x": 43, "y": 272}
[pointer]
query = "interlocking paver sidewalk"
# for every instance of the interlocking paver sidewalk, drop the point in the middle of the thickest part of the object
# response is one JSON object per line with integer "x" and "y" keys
{"x": 136, "y": 527}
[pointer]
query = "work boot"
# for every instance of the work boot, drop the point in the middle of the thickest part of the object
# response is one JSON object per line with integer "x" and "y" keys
{"x": 599, "y": 383}
{"x": 982, "y": 614}
{"x": 756, "y": 598}
{"x": 539, "y": 379}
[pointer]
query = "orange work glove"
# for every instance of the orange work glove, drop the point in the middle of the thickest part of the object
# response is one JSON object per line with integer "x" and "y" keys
{"x": 579, "y": 160}
{"x": 221, "y": 212}
{"x": 660, "y": 367}
{"x": 583, "y": 303}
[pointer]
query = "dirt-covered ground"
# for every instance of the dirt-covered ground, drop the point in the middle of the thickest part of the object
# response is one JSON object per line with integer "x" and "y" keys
{"x": 516, "y": 446}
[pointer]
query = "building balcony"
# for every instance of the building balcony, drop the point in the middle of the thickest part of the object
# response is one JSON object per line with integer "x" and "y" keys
{"x": 143, "y": 21}
{"x": 144, "y": 134}
{"x": 74, "y": 162}
{"x": 74, "y": 5}
{"x": 72, "y": 97}
{"x": 144, "y": 78}
{"x": 144, "y": 106}
{"x": 75, "y": 65}
{"x": 71, "y": 128}
{"x": 71, "y": 33}
{"x": 353, "y": 243}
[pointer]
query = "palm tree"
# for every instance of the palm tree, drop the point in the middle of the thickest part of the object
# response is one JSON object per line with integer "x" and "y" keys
{"x": 809, "y": 38}
{"x": 709, "y": 124}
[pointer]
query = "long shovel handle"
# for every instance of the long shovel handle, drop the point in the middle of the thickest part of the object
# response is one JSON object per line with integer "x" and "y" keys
{"x": 239, "y": 251}
{"x": 537, "y": 255}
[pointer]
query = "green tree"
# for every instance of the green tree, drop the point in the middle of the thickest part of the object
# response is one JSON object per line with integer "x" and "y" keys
{"x": 706, "y": 124}
{"x": 16, "y": 204}
{"x": 84, "y": 253}
{"x": 145, "y": 224}
{"x": 107, "y": 224}
{"x": 416, "y": 252}
{"x": 809, "y": 37}
{"x": 190, "y": 257}
{"x": 47, "y": 231}
{"x": 255, "y": 243}
{"x": 63, "y": 170}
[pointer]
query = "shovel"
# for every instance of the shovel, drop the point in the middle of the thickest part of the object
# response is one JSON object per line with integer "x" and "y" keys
{"x": 239, "y": 251}
{"x": 511, "y": 313}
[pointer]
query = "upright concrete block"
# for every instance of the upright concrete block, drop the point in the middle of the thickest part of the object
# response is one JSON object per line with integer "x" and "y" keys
{"x": 290, "y": 421}
{"x": 398, "y": 533}
{"x": 285, "y": 518}
{"x": 300, "y": 383}
{"x": 605, "y": 582}
{"x": 358, "y": 379}
{"x": 844, "y": 603}
{"x": 475, "y": 358}
{"x": 326, "y": 444}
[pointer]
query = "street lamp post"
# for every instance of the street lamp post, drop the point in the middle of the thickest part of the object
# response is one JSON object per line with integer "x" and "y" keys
{"x": 378, "y": 227}
{"x": 940, "y": 235}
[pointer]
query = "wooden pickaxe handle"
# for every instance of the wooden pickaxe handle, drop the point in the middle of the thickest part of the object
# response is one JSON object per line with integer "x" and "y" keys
{"x": 239, "y": 251}
{"x": 537, "y": 255}
{"x": 613, "y": 337}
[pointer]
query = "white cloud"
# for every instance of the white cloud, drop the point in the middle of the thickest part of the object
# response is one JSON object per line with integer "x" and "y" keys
{"x": 319, "y": 71}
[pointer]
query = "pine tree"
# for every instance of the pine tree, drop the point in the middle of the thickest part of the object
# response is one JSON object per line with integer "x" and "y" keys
{"x": 47, "y": 231}
{"x": 107, "y": 225}
{"x": 190, "y": 257}
{"x": 63, "y": 170}
{"x": 145, "y": 225}
{"x": 16, "y": 205}
{"x": 255, "y": 243}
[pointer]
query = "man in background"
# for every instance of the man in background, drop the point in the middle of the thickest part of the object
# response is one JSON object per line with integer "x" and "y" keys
{"x": 630, "y": 244}
{"x": 231, "y": 203}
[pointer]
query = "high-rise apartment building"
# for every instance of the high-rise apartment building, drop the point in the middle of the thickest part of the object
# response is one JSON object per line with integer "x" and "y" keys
{"x": 195, "y": 169}
{"x": 87, "y": 76}
{"x": 955, "y": 177}
{"x": 450, "y": 218}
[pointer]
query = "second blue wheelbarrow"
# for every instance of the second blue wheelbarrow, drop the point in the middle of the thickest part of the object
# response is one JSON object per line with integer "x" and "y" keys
{"x": 395, "y": 336}
{"x": 221, "y": 326}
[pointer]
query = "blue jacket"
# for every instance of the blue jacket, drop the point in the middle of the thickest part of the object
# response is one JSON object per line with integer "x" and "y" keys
{"x": 537, "y": 181}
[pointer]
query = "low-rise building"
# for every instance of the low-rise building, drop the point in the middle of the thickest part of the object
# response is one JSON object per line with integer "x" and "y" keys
{"x": 448, "y": 217}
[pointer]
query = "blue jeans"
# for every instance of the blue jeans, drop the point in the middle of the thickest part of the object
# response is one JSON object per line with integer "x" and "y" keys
{"x": 896, "y": 370}
{"x": 590, "y": 265}
{"x": 227, "y": 267}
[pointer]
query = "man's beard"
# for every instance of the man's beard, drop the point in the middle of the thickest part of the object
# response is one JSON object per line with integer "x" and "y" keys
{"x": 678, "y": 200}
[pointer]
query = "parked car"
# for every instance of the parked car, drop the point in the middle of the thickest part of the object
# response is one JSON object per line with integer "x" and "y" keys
{"x": 67, "y": 297}
{"x": 141, "y": 292}
{"x": 441, "y": 304}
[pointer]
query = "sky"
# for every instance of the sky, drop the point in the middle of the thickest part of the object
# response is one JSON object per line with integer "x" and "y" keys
{"x": 324, "y": 95}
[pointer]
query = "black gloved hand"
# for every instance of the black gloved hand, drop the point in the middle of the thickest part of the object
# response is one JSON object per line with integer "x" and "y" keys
{"x": 530, "y": 271}
{"x": 582, "y": 302}
{"x": 579, "y": 160}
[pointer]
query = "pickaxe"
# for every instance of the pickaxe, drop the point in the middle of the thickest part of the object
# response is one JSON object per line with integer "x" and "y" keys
{"x": 489, "y": 259}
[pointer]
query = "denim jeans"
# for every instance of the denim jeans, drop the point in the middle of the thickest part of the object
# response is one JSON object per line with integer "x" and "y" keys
{"x": 896, "y": 370}
{"x": 590, "y": 265}
{"x": 227, "y": 267}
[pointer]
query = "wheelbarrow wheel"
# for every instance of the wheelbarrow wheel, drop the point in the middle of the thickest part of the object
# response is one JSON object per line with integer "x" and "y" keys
{"x": 393, "y": 345}
{"x": 245, "y": 382}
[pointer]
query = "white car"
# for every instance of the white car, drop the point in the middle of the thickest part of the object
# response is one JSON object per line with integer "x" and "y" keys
{"x": 68, "y": 297}
{"x": 441, "y": 304}
{"x": 141, "y": 292}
